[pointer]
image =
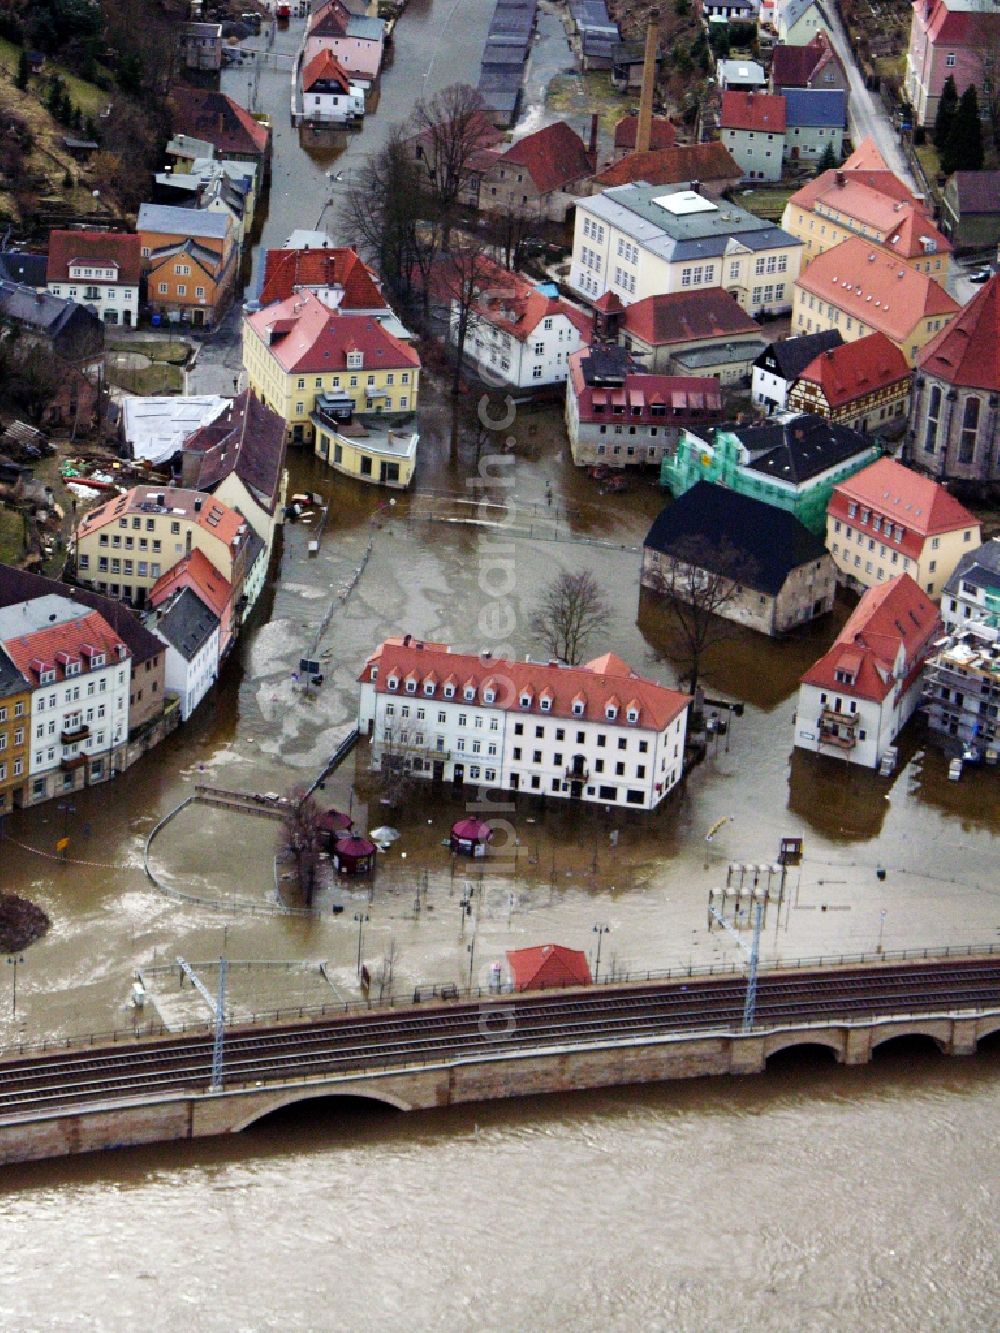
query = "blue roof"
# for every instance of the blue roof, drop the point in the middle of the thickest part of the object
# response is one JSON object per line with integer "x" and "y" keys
{"x": 816, "y": 107}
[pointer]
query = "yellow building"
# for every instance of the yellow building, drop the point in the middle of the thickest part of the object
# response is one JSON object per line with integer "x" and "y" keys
{"x": 888, "y": 520}
{"x": 124, "y": 546}
{"x": 858, "y": 289}
{"x": 299, "y": 350}
{"x": 15, "y": 729}
{"x": 874, "y": 205}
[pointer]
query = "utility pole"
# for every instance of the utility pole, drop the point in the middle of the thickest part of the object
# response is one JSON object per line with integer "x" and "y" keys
{"x": 217, "y": 1004}
{"x": 753, "y": 958}
{"x": 600, "y": 932}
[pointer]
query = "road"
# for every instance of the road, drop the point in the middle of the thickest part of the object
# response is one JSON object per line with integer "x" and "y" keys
{"x": 865, "y": 114}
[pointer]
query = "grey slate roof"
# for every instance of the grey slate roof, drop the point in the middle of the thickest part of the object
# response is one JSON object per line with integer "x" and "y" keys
{"x": 977, "y": 191}
{"x": 633, "y": 210}
{"x": 171, "y": 221}
{"x": 11, "y": 680}
{"x": 24, "y": 268}
{"x": 797, "y": 449}
{"x": 771, "y": 541}
{"x": 824, "y": 108}
{"x": 37, "y": 309}
{"x": 187, "y": 624}
{"x": 790, "y": 357}
{"x": 980, "y": 567}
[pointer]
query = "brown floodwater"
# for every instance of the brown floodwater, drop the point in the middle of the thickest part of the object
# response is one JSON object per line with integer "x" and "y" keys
{"x": 813, "y": 1197}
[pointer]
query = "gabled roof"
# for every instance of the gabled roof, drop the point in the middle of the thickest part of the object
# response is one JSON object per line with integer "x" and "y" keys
{"x": 791, "y": 66}
{"x": 196, "y": 571}
{"x": 40, "y": 310}
{"x": 186, "y": 623}
{"x": 211, "y": 262}
{"x": 816, "y": 107}
{"x": 286, "y": 271}
{"x": 797, "y": 448}
{"x": 717, "y": 522}
{"x": 792, "y": 355}
{"x": 18, "y": 585}
{"x": 855, "y": 369}
{"x": 303, "y": 334}
{"x": 554, "y": 157}
{"x": 761, "y": 112}
{"x": 980, "y": 567}
{"x": 662, "y": 132}
{"x": 95, "y": 247}
{"x": 547, "y": 967}
{"x": 685, "y": 317}
{"x": 790, "y": 11}
{"x": 512, "y": 303}
{"x": 977, "y": 192}
{"x": 227, "y": 525}
{"x": 958, "y": 22}
{"x": 866, "y": 157}
{"x": 671, "y": 166}
{"x": 188, "y": 223}
{"x": 594, "y": 684}
{"x": 635, "y": 396}
{"x": 325, "y": 68}
{"x": 919, "y": 503}
{"x": 25, "y": 269}
{"x": 892, "y": 617}
{"x": 11, "y": 680}
{"x": 967, "y": 350}
{"x": 206, "y": 114}
{"x": 875, "y": 287}
{"x": 248, "y": 439}
{"x": 69, "y": 636}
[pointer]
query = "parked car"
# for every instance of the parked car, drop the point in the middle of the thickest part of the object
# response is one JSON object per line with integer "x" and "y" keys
{"x": 980, "y": 276}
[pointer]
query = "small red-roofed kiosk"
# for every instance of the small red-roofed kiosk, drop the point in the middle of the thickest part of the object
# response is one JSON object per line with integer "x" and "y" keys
{"x": 548, "y": 967}
{"x": 354, "y": 856}
{"x": 470, "y": 837}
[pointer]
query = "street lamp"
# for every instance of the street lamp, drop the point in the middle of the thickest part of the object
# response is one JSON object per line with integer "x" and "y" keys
{"x": 600, "y": 932}
{"x": 360, "y": 918}
{"x": 881, "y": 928}
{"x": 13, "y": 962}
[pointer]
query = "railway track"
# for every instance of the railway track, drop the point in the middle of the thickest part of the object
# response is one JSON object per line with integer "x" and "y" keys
{"x": 377, "y": 1040}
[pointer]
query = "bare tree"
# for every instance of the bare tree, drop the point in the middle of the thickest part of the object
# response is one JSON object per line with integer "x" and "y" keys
{"x": 570, "y": 612}
{"x": 509, "y": 234}
{"x": 301, "y": 839}
{"x": 699, "y": 581}
{"x": 466, "y": 277}
{"x": 450, "y": 128}
{"x": 383, "y": 208}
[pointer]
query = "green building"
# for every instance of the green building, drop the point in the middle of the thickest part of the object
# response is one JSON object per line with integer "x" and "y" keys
{"x": 792, "y": 463}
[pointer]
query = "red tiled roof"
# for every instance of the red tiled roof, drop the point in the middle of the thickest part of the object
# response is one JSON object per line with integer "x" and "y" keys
{"x": 101, "y": 247}
{"x": 194, "y": 571}
{"x": 662, "y": 132}
{"x": 553, "y": 157}
{"x": 959, "y": 27}
{"x": 856, "y": 369}
{"x": 920, "y": 504}
{"x": 876, "y": 288}
{"x": 609, "y": 304}
{"x": 69, "y": 637}
{"x": 596, "y": 682}
{"x": 329, "y": 20}
{"x": 791, "y": 66}
{"x": 210, "y": 514}
{"x": 325, "y": 68}
{"x": 684, "y": 317}
{"x": 286, "y": 271}
{"x": 764, "y": 112}
{"x": 866, "y": 157}
{"x": 682, "y": 399}
{"x": 668, "y": 166}
{"x": 884, "y": 641}
{"x": 206, "y": 114}
{"x": 303, "y": 334}
{"x": 548, "y": 967}
{"x": 511, "y": 303}
{"x": 967, "y": 350}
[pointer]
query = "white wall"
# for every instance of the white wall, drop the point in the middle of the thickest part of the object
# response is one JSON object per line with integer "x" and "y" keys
{"x": 96, "y": 699}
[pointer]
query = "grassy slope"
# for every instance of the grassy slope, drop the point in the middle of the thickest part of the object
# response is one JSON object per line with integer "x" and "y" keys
{"x": 87, "y": 96}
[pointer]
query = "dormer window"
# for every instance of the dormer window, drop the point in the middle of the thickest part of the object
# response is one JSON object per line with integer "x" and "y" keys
{"x": 449, "y": 691}
{"x": 374, "y": 674}
{"x": 469, "y": 693}
{"x": 72, "y": 668}
{"x": 411, "y": 687}
{"x": 632, "y": 715}
{"x": 393, "y": 683}
{"x": 97, "y": 660}
{"x": 47, "y": 677}
{"x": 545, "y": 703}
{"x": 525, "y": 700}
{"x": 489, "y": 696}
{"x": 611, "y": 712}
{"x": 578, "y": 708}
{"x": 355, "y": 360}
{"x": 428, "y": 687}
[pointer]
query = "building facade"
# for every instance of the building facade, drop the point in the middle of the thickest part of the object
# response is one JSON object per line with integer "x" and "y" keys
{"x": 752, "y": 126}
{"x": 598, "y": 733}
{"x": 780, "y": 363}
{"x": 888, "y": 520}
{"x": 190, "y": 257}
{"x": 972, "y": 594}
{"x": 857, "y": 698}
{"x": 949, "y": 37}
{"x": 98, "y": 269}
{"x": 962, "y": 693}
{"x": 15, "y": 724}
{"x": 190, "y": 631}
{"x": 641, "y": 240}
{"x": 864, "y": 385}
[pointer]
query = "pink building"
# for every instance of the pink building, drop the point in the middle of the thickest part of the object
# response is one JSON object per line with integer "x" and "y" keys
{"x": 954, "y": 37}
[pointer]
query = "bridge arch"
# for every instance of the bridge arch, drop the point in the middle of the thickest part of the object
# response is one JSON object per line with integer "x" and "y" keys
{"x": 787, "y": 1041}
{"x": 934, "y": 1032}
{"x": 987, "y": 1027}
{"x": 267, "y": 1104}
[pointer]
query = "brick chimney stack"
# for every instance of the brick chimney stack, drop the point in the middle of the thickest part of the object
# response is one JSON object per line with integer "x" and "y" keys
{"x": 644, "y": 129}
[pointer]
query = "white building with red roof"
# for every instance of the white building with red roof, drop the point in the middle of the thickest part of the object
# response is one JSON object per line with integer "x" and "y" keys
{"x": 329, "y": 95}
{"x": 619, "y": 415}
{"x": 79, "y": 671}
{"x": 99, "y": 269}
{"x": 299, "y": 351}
{"x": 888, "y": 520}
{"x": 863, "y": 384}
{"x": 599, "y": 732}
{"x": 519, "y": 333}
{"x": 955, "y": 420}
{"x": 857, "y": 698}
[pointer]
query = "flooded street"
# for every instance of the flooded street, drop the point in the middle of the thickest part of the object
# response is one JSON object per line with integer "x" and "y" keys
{"x": 812, "y": 1197}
